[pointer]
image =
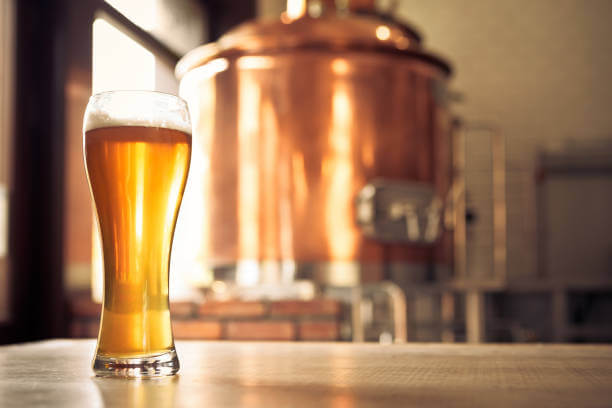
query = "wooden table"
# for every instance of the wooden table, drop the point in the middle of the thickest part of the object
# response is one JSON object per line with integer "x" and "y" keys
{"x": 338, "y": 375}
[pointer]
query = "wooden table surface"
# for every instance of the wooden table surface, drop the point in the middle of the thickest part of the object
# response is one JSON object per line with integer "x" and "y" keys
{"x": 339, "y": 375}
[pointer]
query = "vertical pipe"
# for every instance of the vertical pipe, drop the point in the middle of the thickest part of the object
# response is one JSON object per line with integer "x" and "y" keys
{"x": 474, "y": 316}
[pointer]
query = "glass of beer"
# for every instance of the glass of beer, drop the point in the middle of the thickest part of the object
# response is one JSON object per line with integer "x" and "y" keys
{"x": 137, "y": 147}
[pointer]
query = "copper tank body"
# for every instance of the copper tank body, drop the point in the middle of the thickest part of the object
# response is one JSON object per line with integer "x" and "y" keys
{"x": 317, "y": 140}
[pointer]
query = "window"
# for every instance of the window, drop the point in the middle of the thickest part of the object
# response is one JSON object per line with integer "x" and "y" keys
{"x": 134, "y": 45}
{"x": 118, "y": 62}
{"x": 178, "y": 24}
{"x": 42, "y": 102}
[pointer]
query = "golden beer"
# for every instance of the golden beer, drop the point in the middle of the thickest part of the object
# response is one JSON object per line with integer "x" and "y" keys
{"x": 137, "y": 176}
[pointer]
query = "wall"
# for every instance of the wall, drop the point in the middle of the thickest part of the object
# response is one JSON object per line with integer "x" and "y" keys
{"x": 576, "y": 227}
{"x": 539, "y": 70}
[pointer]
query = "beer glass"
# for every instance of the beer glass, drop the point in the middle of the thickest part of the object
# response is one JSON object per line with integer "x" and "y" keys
{"x": 137, "y": 147}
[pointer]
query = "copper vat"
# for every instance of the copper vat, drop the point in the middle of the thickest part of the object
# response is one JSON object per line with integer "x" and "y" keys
{"x": 321, "y": 150}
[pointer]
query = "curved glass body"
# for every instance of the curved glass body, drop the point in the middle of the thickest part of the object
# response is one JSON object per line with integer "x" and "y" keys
{"x": 137, "y": 148}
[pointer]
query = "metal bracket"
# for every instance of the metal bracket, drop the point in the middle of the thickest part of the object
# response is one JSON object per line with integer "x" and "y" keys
{"x": 393, "y": 211}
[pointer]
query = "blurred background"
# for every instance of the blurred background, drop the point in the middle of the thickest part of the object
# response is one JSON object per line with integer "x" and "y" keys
{"x": 381, "y": 171}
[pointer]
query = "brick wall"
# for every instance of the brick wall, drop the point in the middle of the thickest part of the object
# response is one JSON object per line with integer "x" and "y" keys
{"x": 289, "y": 320}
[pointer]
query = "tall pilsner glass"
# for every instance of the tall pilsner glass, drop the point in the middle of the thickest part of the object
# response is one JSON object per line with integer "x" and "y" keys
{"x": 137, "y": 147}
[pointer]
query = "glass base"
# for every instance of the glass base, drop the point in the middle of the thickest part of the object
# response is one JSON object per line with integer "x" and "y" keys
{"x": 159, "y": 365}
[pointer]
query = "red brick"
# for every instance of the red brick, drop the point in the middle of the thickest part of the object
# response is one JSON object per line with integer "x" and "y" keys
{"x": 263, "y": 330}
{"x": 232, "y": 308}
{"x": 92, "y": 328}
{"x": 182, "y": 309}
{"x": 196, "y": 329}
{"x": 84, "y": 328}
{"x": 323, "y": 330}
{"x": 83, "y": 306}
{"x": 75, "y": 329}
{"x": 317, "y": 307}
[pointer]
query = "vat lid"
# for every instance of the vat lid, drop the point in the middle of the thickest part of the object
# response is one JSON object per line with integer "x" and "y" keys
{"x": 333, "y": 33}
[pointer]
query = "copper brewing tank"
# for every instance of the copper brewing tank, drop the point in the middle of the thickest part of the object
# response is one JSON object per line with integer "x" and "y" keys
{"x": 321, "y": 150}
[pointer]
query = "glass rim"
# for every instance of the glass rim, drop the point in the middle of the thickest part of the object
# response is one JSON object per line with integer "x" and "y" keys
{"x": 125, "y": 107}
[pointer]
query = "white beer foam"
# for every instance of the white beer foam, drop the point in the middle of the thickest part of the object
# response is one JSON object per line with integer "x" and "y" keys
{"x": 137, "y": 108}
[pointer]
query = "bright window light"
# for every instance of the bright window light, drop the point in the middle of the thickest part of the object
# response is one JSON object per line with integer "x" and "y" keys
{"x": 118, "y": 61}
